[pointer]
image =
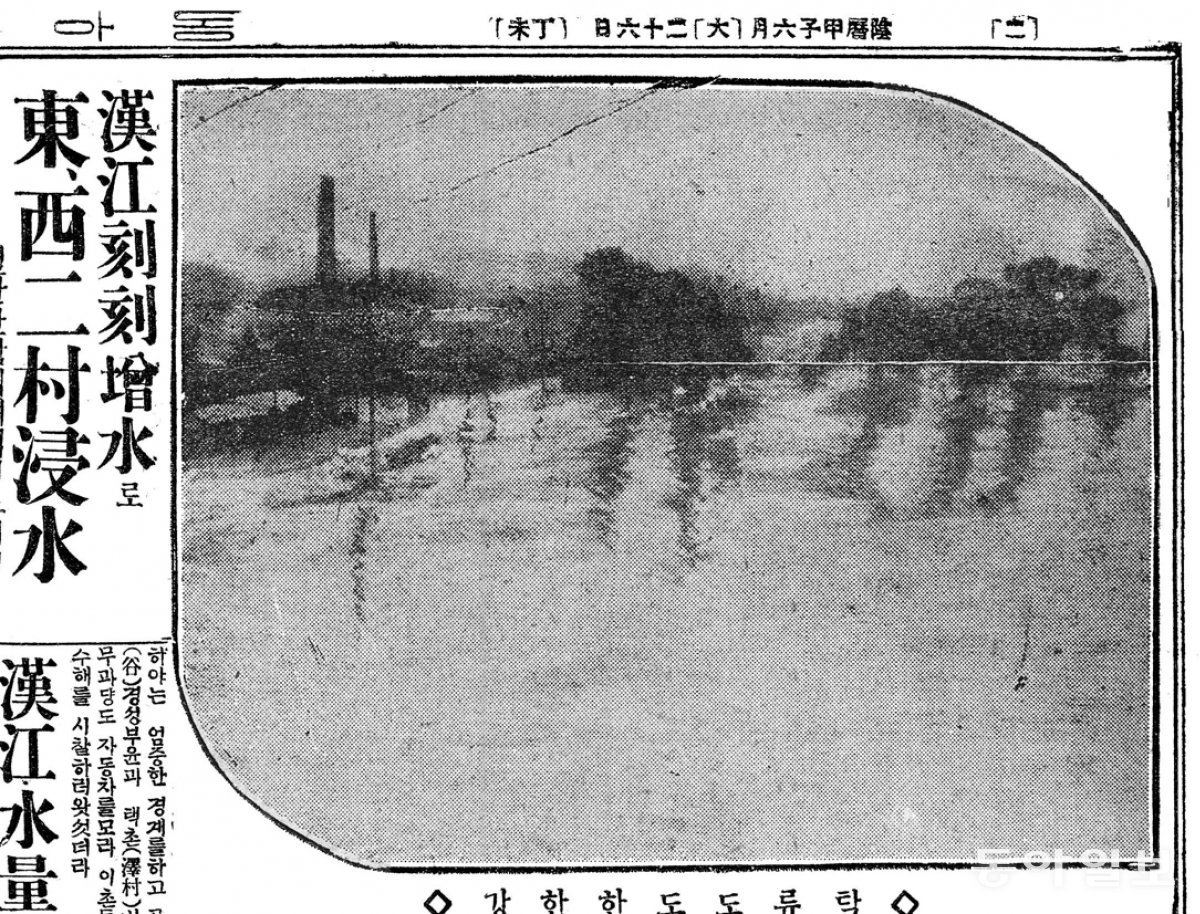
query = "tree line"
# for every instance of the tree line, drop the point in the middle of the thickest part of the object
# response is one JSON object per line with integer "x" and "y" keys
{"x": 1039, "y": 310}
{"x": 361, "y": 338}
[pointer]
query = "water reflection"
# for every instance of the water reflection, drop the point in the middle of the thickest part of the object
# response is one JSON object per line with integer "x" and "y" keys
{"x": 1032, "y": 397}
{"x": 860, "y": 444}
{"x": 886, "y": 398}
{"x": 606, "y": 461}
{"x": 704, "y": 415}
{"x": 1107, "y": 402}
{"x": 698, "y": 412}
{"x": 966, "y": 414}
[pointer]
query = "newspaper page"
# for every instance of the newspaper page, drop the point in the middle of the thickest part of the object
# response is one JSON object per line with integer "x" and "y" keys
{"x": 593, "y": 459}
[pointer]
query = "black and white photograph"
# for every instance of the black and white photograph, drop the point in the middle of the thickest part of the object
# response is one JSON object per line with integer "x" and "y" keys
{"x": 632, "y": 471}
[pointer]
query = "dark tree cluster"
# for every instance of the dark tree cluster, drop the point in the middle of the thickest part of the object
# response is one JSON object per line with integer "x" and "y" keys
{"x": 211, "y": 294}
{"x": 327, "y": 342}
{"x": 634, "y": 312}
{"x": 1041, "y": 308}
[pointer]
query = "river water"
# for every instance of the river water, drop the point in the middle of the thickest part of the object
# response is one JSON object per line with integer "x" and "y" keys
{"x": 772, "y": 613}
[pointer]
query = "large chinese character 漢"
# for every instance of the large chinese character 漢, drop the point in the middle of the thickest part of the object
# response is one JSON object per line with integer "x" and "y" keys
{"x": 126, "y": 120}
{"x": 27, "y": 688}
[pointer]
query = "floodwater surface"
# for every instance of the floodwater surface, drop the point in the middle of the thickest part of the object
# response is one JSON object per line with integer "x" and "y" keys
{"x": 768, "y": 614}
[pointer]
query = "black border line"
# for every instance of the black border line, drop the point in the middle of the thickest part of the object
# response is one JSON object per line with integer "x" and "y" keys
{"x": 1170, "y": 52}
{"x": 671, "y": 45}
{"x": 166, "y": 641}
{"x": 1179, "y": 697}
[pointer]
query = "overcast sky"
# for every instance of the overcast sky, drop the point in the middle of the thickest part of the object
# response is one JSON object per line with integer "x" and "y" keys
{"x": 804, "y": 191}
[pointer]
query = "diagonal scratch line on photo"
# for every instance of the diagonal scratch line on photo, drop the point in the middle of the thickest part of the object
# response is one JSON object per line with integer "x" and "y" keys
{"x": 676, "y": 85}
{"x": 428, "y": 118}
{"x": 236, "y": 103}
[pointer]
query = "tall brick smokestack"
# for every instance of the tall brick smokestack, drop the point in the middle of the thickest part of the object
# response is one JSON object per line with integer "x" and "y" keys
{"x": 326, "y": 241}
{"x": 374, "y": 243}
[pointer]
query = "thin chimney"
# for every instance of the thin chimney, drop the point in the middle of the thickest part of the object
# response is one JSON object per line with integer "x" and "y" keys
{"x": 326, "y": 240}
{"x": 374, "y": 243}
